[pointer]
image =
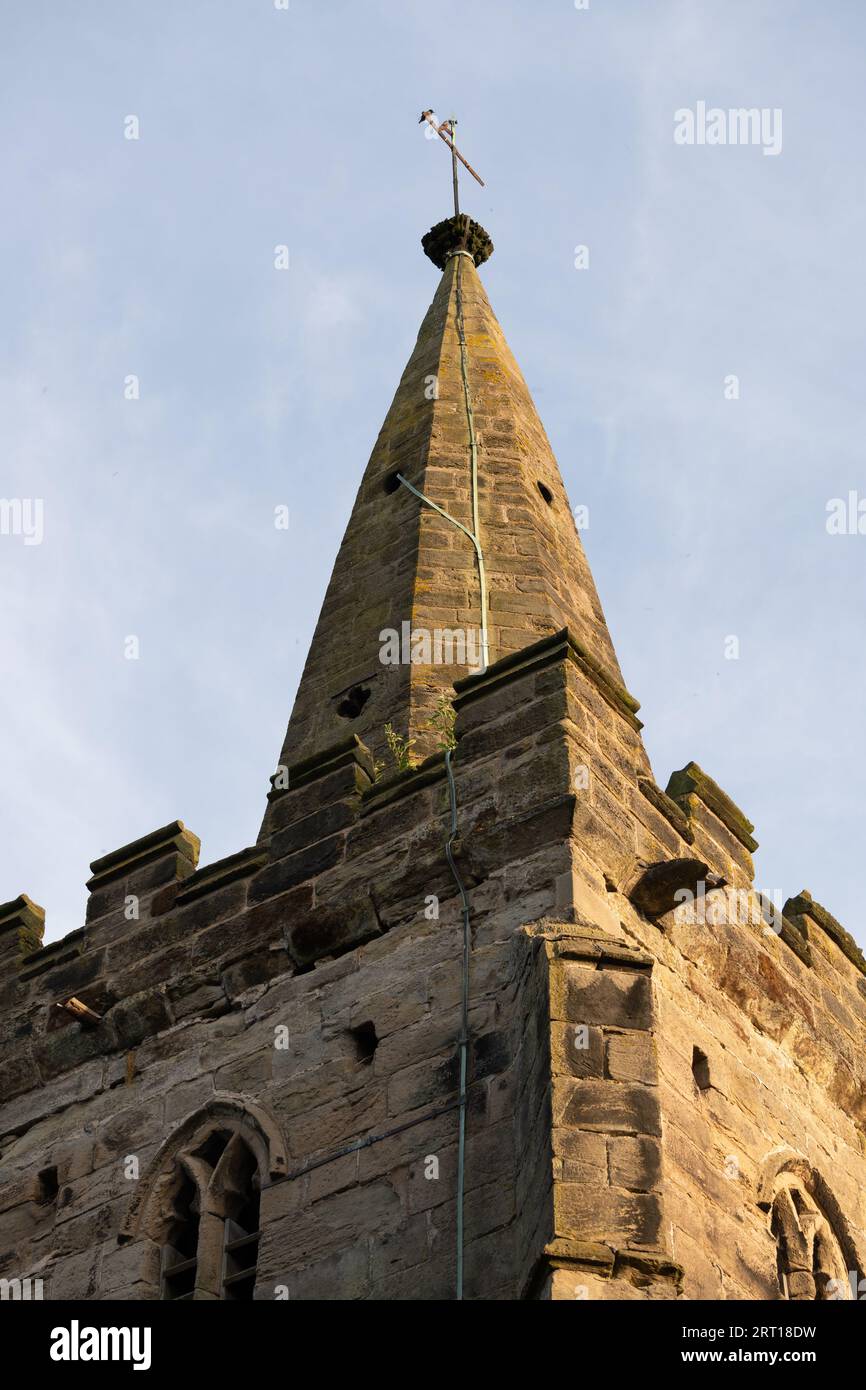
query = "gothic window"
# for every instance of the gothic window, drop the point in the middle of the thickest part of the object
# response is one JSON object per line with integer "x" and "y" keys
{"x": 196, "y": 1213}
{"x": 809, "y": 1260}
{"x": 180, "y": 1252}
{"x": 211, "y": 1220}
{"x": 238, "y": 1197}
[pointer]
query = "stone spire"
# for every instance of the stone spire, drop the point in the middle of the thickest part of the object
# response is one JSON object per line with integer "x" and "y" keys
{"x": 405, "y": 568}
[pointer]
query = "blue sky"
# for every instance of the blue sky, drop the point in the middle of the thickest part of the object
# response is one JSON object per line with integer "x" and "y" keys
{"x": 260, "y": 387}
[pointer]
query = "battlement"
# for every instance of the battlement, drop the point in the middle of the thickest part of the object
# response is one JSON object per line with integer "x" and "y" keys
{"x": 163, "y": 938}
{"x": 558, "y": 824}
{"x": 22, "y": 926}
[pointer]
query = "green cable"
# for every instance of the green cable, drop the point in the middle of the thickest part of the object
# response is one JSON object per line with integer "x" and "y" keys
{"x": 464, "y": 1023}
{"x": 473, "y": 454}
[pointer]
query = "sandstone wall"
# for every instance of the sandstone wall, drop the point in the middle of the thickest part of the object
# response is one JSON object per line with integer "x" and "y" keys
{"x": 601, "y": 1171}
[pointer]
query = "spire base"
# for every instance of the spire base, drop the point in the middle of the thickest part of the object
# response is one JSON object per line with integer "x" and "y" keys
{"x": 457, "y": 233}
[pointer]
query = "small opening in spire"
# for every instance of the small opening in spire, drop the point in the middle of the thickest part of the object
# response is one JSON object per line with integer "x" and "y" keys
{"x": 546, "y": 493}
{"x": 391, "y": 483}
{"x": 353, "y": 702}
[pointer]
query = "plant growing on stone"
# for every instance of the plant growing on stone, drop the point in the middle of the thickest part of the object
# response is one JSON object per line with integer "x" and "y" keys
{"x": 442, "y": 722}
{"x": 400, "y": 748}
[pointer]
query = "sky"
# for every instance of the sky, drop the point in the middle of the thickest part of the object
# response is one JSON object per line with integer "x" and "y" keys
{"x": 154, "y": 259}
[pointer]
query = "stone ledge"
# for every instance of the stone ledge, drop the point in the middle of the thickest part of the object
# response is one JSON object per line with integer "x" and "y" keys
{"x": 171, "y": 838}
{"x": 56, "y": 953}
{"x": 220, "y": 874}
{"x": 550, "y": 651}
{"x": 580, "y": 1254}
{"x": 656, "y": 891}
{"x": 400, "y": 784}
{"x": 804, "y": 905}
{"x": 331, "y": 759}
{"x": 606, "y": 1262}
{"x": 651, "y": 1264}
{"x": 569, "y": 942}
{"x": 693, "y": 781}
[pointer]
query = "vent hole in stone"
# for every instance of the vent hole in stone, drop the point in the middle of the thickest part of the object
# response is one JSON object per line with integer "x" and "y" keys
{"x": 48, "y": 1186}
{"x": 365, "y": 1040}
{"x": 700, "y": 1069}
{"x": 546, "y": 493}
{"x": 353, "y": 702}
{"x": 391, "y": 483}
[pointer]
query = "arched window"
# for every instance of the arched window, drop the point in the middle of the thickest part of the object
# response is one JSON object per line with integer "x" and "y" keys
{"x": 809, "y": 1261}
{"x": 180, "y": 1252}
{"x": 212, "y": 1240}
{"x": 197, "y": 1212}
{"x": 816, "y": 1257}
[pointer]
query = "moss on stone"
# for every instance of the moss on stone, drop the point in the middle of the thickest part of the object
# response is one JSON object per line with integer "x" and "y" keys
{"x": 23, "y": 921}
{"x": 693, "y": 780}
{"x": 804, "y": 905}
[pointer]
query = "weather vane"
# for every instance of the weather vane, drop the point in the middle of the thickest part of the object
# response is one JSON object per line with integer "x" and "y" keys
{"x": 445, "y": 131}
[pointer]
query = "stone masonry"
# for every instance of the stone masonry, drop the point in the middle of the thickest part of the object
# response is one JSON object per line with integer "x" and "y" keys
{"x": 666, "y": 1093}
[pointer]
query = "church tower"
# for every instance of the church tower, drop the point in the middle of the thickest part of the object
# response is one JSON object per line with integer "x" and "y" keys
{"x": 484, "y": 1013}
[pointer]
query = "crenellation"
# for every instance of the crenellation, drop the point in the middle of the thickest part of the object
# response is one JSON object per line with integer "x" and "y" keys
{"x": 692, "y": 781}
{"x": 215, "y": 876}
{"x": 803, "y": 910}
{"x": 140, "y": 867}
{"x": 22, "y": 926}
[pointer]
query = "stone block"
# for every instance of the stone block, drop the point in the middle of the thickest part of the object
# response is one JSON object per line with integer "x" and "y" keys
{"x": 605, "y": 1106}
{"x": 577, "y": 1050}
{"x": 139, "y": 1017}
{"x": 616, "y": 998}
{"x": 331, "y": 930}
{"x": 606, "y": 1214}
{"x": 631, "y": 1057}
{"x": 635, "y": 1164}
{"x": 297, "y": 868}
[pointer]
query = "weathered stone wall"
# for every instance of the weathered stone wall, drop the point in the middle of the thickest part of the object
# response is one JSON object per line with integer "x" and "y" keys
{"x": 321, "y": 933}
{"x": 594, "y": 1171}
{"x": 777, "y": 1008}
